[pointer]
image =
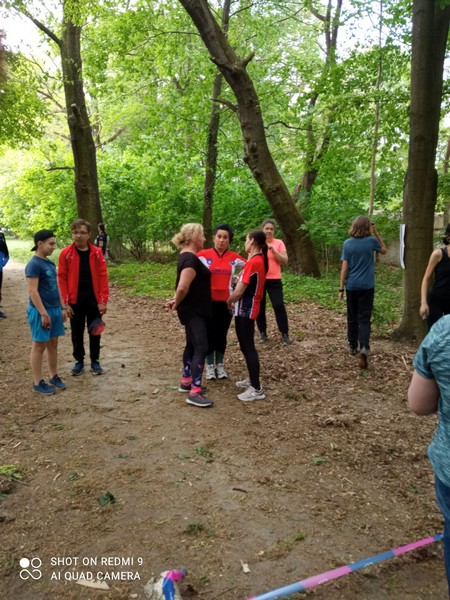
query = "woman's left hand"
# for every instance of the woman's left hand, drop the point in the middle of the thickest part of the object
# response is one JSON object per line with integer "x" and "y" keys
{"x": 170, "y": 305}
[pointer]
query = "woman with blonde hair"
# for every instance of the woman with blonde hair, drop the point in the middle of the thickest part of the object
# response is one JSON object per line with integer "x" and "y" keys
{"x": 192, "y": 301}
{"x": 358, "y": 279}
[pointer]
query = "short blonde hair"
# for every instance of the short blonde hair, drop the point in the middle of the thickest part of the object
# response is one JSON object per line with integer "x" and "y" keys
{"x": 186, "y": 234}
{"x": 360, "y": 227}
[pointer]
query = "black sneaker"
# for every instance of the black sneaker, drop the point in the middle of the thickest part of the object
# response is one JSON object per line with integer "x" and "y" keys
{"x": 352, "y": 350}
{"x": 198, "y": 399}
{"x": 78, "y": 368}
{"x": 285, "y": 339}
{"x": 263, "y": 337}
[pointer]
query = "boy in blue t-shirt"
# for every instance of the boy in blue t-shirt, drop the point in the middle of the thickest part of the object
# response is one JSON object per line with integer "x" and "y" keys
{"x": 46, "y": 312}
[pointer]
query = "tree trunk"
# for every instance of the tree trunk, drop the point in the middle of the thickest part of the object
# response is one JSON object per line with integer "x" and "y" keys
{"x": 83, "y": 147}
{"x": 256, "y": 151}
{"x": 316, "y": 150}
{"x": 211, "y": 162}
{"x": 429, "y": 38}
{"x": 373, "y": 162}
{"x": 211, "y": 146}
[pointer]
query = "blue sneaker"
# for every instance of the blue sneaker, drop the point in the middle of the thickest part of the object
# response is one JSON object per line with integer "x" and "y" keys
{"x": 96, "y": 368}
{"x": 57, "y": 382}
{"x": 78, "y": 368}
{"x": 44, "y": 388}
{"x": 3, "y": 315}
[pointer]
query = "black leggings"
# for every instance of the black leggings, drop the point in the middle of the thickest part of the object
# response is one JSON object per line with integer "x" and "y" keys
{"x": 245, "y": 331}
{"x": 218, "y": 327}
{"x": 274, "y": 287}
{"x": 196, "y": 348}
{"x": 438, "y": 306}
{"x": 359, "y": 314}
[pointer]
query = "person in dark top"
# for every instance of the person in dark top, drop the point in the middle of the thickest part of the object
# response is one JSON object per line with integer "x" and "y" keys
{"x": 83, "y": 280}
{"x": 102, "y": 239}
{"x": 436, "y": 302}
{"x": 4, "y": 258}
{"x": 192, "y": 301}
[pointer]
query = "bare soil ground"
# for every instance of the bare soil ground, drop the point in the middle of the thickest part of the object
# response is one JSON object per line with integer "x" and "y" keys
{"x": 329, "y": 469}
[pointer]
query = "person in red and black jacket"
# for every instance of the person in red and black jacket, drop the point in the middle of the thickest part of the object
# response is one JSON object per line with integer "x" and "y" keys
{"x": 246, "y": 300}
{"x": 222, "y": 264}
{"x": 83, "y": 281}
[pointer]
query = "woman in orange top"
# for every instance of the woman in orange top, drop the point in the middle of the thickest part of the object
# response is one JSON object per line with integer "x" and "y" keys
{"x": 277, "y": 258}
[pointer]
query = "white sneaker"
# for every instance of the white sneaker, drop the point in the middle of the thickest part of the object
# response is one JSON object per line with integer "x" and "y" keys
{"x": 251, "y": 394}
{"x": 245, "y": 383}
{"x": 221, "y": 373}
{"x": 210, "y": 372}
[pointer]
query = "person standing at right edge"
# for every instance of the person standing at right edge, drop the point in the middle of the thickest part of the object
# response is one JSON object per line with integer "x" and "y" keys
{"x": 83, "y": 281}
{"x": 4, "y": 258}
{"x": 278, "y": 258}
{"x": 358, "y": 278}
{"x": 436, "y": 302}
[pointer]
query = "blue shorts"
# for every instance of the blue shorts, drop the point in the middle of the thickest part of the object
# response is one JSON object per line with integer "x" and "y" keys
{"x": 38, "y": 333}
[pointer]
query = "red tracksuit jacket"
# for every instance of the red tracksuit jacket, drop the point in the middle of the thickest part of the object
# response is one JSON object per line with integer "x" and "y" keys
{"x": 69, "y": 271}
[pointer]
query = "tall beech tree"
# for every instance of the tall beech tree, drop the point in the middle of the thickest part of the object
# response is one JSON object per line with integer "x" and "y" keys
{"x": 257, "y": 154}
{"x": 211, "y": 146}
{"x": 81, "y": 138}
{"x": 318, "y": 146}
{"x": 429, "y": 40}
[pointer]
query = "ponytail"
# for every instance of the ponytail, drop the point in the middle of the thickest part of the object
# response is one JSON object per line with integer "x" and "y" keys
{"x": 265, "y": 251}
{"x": 260, "y": 238}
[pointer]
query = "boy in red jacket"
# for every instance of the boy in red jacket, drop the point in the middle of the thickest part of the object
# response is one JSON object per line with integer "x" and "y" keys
{"x": 83, "y": 281}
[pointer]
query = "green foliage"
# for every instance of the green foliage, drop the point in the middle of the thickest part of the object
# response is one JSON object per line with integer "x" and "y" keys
{"x": 149, "y": 82}
{"x": 144, "y": 279}
{"x": 106, "y": 498}
{"x": 39, "y": 197}
{"x": 11, "y": 471}
{"x": 23, "y": 114}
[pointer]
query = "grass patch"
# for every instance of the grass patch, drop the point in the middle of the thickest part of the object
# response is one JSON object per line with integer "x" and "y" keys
{"x": 20, "y": 251}
{"x": 9, "y": 475}
{"x": 144, "y": 279}
{"x": 157, "y": 280}
{"x": 324, "y": 291}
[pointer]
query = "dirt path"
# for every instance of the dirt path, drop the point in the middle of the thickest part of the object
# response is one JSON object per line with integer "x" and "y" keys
{"x": 330, "y": 469}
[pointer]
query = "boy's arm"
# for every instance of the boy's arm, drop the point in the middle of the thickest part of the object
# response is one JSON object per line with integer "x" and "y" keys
{"x": 62, "y": 278}
{"x": 33, "y": 292}
{"x": 344, "y": 273}
{"x": 423, "y": 395}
